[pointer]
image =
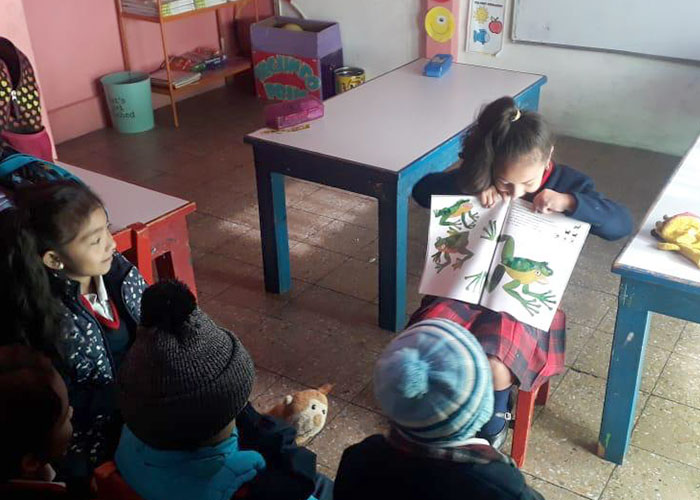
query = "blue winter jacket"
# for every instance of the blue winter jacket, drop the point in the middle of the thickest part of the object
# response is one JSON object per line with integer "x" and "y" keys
{"x": 608, "y": 219}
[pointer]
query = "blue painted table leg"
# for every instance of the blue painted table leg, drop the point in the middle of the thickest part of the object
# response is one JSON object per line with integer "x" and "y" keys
{"x": 625, "y": 373}
{"x": 393, "y": 234}
{"x": 273, "y": 230}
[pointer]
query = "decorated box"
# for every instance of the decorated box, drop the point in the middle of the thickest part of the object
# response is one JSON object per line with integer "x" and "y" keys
{"x": 293, "y": 63}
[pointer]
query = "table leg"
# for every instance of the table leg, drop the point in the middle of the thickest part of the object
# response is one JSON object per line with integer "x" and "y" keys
{"x": 393, "y": 234}
{"x": 625, "y": 373}
{"x": 273, "y": 230}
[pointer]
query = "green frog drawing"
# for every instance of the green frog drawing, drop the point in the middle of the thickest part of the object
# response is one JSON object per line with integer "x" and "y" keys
{"x": 459, "y": 210}
{"x": 524, "y": 272}
{"x": 455, "y": 243}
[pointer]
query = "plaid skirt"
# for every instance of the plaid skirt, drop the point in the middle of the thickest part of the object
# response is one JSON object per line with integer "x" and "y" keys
{"x": 532, "y": 355}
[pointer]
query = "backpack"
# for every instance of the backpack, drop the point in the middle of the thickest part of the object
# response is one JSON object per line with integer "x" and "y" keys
{"x": 19, "y": 170}
{"x": 20, "y": 107}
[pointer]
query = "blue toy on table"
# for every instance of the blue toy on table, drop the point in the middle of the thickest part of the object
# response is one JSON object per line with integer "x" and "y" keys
{"x": 438, "y": 66}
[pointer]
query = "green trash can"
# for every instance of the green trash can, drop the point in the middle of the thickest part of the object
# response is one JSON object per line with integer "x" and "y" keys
{"x": 129, "y": 100}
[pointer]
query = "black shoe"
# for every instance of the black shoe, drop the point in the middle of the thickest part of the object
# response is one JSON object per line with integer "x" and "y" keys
{"x": 498, "y": 440}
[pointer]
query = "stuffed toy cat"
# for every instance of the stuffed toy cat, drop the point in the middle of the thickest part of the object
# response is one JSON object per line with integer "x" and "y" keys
{"x": 305, "y": 410}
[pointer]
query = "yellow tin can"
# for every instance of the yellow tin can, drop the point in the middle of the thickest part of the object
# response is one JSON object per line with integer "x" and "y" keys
{"x": 347, "y": 78}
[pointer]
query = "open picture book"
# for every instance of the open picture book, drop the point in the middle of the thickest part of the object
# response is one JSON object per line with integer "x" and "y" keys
{"x": 506, "y": 258}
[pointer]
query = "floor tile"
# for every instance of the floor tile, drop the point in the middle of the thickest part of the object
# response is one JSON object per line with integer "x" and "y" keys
{"x": 352, "y": 426}
{"x": 680, "y": 380}
{"x": 311, "y": 264}
{"x": 362, "y": 213}
{"x": 669, "y": 429}
{"x": 216, "y": 273}
{"x": 649, "y": 476}
{"x": 664, "y": 331}
{"x": 343, "y": 237}
{"x": 208, "y": 232}
{"x": 355, "y": 278}
{"x": 584, "y": 306}
{"x": 550, "y": 491}
{"x": 327, "y": 202}
{"x": 338, "y": 315}
{"x": 689, "y": 342}
{"x": 264, "y": 379}
{"x": 595, "y": 359}
{"x": 577, "y": 338}
{"x": 563, "y": 439}
{"x": 296, "y": 190}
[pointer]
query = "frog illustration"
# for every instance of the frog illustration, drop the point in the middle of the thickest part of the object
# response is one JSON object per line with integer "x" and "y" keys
{"x": 460, "y": 210}
{"x": 524, "y": 272}
{"x": 454, "y": 243}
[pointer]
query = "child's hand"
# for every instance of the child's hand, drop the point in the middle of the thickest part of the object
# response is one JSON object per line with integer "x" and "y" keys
{"x": 489, "y": 197}
{"x": 548, "y": 201}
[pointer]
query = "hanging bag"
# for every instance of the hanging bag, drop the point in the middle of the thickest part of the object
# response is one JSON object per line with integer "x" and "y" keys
{"x": 20, "y": 108}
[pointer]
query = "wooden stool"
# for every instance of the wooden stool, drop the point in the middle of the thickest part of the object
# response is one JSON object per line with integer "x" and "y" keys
{"x": 524, "y": 410}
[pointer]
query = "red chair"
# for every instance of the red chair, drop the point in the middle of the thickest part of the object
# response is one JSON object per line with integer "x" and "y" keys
{"x": 524, "y": 410}
{"x": 110, "y": 485}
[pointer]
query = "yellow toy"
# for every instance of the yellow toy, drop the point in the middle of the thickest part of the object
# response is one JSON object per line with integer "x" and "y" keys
{"x": 680, "y": 233}
{"x": 306, "y": 411}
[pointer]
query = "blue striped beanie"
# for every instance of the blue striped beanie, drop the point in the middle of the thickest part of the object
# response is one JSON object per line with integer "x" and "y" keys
{"x": 435, "y": 384}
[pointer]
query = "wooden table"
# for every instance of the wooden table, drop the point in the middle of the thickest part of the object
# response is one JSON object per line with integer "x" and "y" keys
{"x": 378, "y": 140}
{"x": 150, "y": 224}
{"x": 652, "y": 281}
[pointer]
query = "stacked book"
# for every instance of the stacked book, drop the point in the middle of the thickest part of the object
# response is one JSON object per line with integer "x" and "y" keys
{"x": 150, "y": 7}
{"x": 180, "y": 78}
{"x": 201, "y": 4}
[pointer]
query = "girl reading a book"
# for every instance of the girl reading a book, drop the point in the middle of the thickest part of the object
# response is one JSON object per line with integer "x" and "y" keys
{"x": 508, "y": 154}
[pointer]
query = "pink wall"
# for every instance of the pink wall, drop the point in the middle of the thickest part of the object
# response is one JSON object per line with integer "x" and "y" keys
{"x": 13, "y": 25}
{"x": 77, "y": 41}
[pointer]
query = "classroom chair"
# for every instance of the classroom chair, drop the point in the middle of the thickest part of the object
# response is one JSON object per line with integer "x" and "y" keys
{"x": 524, "y": 411}
{"x": 110, "y": 485}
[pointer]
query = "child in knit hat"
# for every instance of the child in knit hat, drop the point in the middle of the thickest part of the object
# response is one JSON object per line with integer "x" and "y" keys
{"x": 434, "y": 384}
{"x": 189, "y": 431}
{"x": 35, "y": 424}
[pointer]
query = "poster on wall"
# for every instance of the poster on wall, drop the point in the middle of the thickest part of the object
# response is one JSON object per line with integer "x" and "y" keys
{"x": 485, "y": 27}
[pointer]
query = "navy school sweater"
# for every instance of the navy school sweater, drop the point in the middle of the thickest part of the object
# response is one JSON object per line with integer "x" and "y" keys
{"x": 608, "y": 219}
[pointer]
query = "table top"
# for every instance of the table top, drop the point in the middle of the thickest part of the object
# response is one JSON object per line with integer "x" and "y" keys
{"x": 681, "y": 194}
{"x": 126, "y": 203}
{"x": 393, "y": 120}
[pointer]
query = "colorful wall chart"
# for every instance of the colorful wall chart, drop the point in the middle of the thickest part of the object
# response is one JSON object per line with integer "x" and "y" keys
{"x": 485, "y": 28}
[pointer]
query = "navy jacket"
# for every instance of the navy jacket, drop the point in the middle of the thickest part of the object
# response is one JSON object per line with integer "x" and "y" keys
{"x": 376, "y": 470}
{"x": 88, "y": 365}
{"x": 608, "y": 219}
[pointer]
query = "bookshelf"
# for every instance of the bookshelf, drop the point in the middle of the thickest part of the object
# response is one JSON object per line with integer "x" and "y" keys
{"x": 233, "y": 65}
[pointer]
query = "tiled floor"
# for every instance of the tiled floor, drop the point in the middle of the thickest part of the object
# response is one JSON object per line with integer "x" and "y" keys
{"x": 325, "y": 329}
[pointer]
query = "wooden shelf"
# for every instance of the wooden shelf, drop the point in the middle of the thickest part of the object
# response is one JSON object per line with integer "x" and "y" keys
{"x": 232, "y": 67}
{"x": 177, "y": 17}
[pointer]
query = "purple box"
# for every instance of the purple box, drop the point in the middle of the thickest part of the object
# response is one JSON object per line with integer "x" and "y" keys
{"x": 288, "y": 64}
{"x": 289, "y": 113}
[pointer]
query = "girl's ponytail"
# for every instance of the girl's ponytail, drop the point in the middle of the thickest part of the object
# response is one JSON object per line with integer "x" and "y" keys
{"x": 502, "y": 132}
{"x": 30, "y": 312}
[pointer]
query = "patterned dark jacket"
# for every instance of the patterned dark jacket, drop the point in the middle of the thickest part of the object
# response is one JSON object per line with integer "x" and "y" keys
{"x": 89, "y": 368}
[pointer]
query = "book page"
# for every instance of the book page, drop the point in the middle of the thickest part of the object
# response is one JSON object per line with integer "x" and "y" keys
{"x": 461, "y": 242}
{"x": 534, "y": 260}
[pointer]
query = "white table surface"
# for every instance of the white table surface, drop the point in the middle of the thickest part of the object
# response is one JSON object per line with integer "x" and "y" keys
{"x": 393, "y": 120}
{"x": 681, "y": 194}
{"x": 126, "y": 203}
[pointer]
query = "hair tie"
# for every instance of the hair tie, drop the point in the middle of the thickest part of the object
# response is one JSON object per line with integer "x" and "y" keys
{"x": 517, "y": 115}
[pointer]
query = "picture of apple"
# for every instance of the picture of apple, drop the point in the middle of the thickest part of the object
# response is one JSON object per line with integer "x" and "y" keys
{"x": 495, "y": 26}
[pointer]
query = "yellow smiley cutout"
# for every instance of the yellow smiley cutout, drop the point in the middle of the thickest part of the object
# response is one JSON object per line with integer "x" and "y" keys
{"x": 440, "y": 24}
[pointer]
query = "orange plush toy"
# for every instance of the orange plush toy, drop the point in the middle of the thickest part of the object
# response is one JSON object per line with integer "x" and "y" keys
{"x": 306, "y": 411}
{"x": 680, "y": 233}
